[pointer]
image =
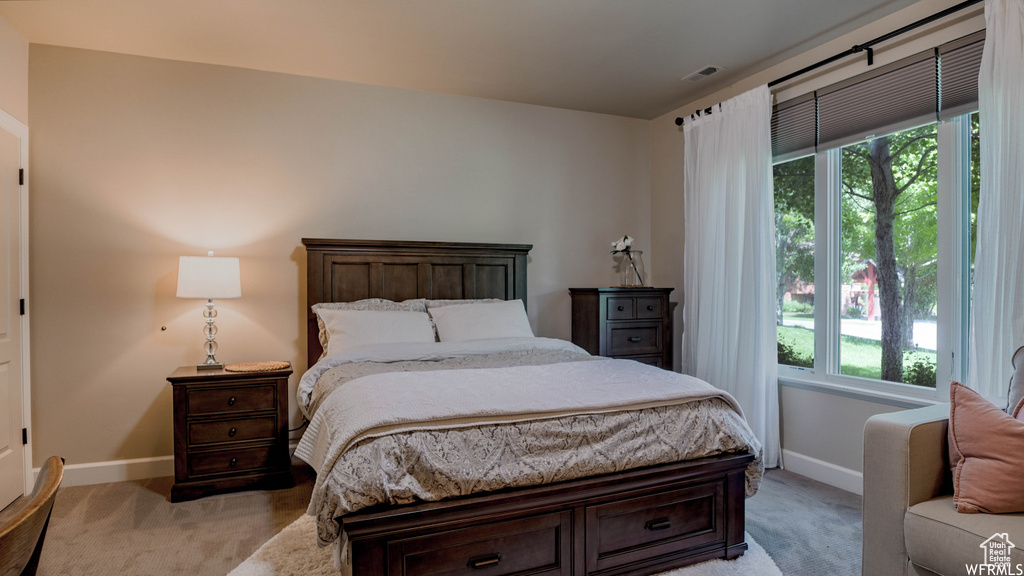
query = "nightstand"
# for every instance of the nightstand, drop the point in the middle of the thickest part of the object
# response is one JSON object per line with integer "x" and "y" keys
{"x": 230, "y": 431}
{"x": 626, "y": 322}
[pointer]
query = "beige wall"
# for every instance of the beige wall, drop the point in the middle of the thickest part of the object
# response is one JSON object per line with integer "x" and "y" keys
{"x": 667, "y": 217}
{"x": 826, "y": 426}
{"x": 137, "y": 161}
{"x": 818, "y": 424}
{"x": 13, "y": 72}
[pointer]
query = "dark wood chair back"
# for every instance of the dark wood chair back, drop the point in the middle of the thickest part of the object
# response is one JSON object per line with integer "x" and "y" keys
{"x": 21, "y": 538}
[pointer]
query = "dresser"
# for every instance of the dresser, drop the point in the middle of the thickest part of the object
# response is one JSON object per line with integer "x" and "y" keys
{"x": 626, "y": 322}
{"x": 230, "y": 431}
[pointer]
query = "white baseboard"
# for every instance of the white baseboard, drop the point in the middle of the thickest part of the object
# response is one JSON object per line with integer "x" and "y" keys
{"x": 140, "y": 468}
{"x": 124, "y": 470}
{"x": 116, "y": 470}
{"x": 831, "y": 474}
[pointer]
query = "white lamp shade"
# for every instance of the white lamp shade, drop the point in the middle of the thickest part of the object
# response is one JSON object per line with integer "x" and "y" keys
{"x": 209, "y": 277}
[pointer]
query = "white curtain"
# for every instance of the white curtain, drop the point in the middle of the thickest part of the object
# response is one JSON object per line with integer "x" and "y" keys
{"x": 729, "y": 259}
{"x": 997, "y": 304}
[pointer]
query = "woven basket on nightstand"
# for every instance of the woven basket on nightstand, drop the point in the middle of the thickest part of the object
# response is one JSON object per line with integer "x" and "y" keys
{"x": 268, "y": 366}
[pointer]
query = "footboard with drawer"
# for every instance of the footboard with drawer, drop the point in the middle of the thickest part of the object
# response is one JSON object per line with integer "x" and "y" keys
{"x": 636, "y": 522}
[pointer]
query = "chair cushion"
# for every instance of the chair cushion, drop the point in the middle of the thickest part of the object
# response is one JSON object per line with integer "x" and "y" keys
{"x": 943, "y": 541}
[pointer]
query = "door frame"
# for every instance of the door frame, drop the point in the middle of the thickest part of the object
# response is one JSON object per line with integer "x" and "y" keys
{"x": 20, "y": 130}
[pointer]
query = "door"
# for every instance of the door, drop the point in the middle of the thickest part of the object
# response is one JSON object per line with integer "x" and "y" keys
{"x": 12, "y": 453}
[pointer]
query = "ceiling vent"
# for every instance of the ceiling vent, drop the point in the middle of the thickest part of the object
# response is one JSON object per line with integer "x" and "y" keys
{"x": 703, "y": 73}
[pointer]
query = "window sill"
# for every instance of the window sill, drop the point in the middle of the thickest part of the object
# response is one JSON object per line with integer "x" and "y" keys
{"x": 788, "y": 378}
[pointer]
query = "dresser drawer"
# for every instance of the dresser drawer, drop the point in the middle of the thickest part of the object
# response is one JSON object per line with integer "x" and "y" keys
{"x": 632, "y": 339}
{"x": 650, "y": 526}
{"x": 621, "y": 308}
{"x": 650, "y": 308}
{"x": 213, "y": 432}
{"x": 233, "y": 399}
{"x": 540, "y": 545}
{"x": 235, "y": 460}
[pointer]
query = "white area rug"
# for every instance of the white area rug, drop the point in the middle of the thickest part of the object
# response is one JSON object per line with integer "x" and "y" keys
{"x": 294, "y": 552}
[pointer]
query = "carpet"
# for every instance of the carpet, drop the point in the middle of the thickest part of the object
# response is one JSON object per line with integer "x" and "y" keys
{"x": 294, "y": 552}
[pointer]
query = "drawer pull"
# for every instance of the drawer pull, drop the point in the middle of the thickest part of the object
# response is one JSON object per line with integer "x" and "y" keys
{"x": 235, "y": 461}
{"x": 484, "y": 561}
{"x": 232, "y": 432}
{"x": 650, "y": 308}
{"x": 231, "y": 401}
{"x": 635, "y": 339}
{"x": 621, "y": 308}
{"x": 659, "y": 524}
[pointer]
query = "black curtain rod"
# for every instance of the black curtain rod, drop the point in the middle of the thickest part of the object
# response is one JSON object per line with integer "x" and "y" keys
{"x": 868, "y": 46}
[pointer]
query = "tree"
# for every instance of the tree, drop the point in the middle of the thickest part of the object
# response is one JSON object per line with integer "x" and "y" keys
{"x": 794, "y": 226}
{"x": 889, "y": 188}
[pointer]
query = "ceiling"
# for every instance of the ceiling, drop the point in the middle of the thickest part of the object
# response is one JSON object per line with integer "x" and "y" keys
{"x": 621, "y": 57}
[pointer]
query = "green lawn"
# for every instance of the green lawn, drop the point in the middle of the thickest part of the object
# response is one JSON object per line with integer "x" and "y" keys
{"x": 858, "y": 356}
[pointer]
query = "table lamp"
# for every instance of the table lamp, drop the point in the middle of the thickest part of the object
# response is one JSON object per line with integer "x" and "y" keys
{"x": 208, "y": 278}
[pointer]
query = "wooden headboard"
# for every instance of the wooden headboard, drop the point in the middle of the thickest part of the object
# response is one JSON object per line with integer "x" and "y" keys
{"x": 350, "y": 270}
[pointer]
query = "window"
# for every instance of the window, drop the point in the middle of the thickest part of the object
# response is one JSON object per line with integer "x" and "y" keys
{"x": 874, "y": 267}
{"x": 878, "y": 202}
{"x": 888, "y": 260}
{"x": 794, "y": 261}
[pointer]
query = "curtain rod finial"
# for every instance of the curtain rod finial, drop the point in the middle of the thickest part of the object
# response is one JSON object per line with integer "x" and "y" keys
{"x": 679, "y": 121}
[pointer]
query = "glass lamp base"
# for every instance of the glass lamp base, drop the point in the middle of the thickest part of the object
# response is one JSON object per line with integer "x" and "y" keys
{"x": 210, "y": 346}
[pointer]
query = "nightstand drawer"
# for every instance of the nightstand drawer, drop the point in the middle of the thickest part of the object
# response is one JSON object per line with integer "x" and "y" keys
{"x": 650, "y": 308}
{"x": 649, "y": 360}
{"x": 218, "y": 431}
{"x": 230, "y": 400}
{"x": 631, "y": 339}
{"x": 223, "y": 461}
{"x": 621, "y": 308}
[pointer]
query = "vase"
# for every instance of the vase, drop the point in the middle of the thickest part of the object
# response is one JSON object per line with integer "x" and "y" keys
{"x": 632, "y": 268}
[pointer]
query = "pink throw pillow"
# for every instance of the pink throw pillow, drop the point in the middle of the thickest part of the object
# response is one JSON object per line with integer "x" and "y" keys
{"x": 987, "y": 476}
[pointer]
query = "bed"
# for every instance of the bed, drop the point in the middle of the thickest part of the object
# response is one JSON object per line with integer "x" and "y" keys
{"x": 647, "y": 517}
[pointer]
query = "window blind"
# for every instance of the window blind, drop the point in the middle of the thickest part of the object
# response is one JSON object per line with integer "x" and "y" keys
{"x": 960, "y": 63}
{"x": 794, "y": 127}
{"x": 893, "y": 97}
{"x": 934, "y": 84}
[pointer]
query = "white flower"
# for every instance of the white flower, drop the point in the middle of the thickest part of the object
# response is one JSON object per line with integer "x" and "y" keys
{"x": 622, "y": 245}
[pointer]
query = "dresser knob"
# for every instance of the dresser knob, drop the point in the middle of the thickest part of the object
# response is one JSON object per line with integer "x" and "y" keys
{"x": 650, "y": 308}
{"x": 621, "y": 308}
{"x": 635, "y": 339}
{"x": 231, "y": 401}
{"x": 232, "y": 432}
{"x": 233, "y": 462}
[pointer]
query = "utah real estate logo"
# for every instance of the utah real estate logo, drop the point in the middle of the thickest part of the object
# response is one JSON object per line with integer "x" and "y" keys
{"x": 996, "y": 558}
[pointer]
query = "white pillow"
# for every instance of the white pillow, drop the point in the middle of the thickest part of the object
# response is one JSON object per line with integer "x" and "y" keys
{"x": 416, "y": 305}
{"x": 354, "y": 327}
{"x": 477, "y": 321}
